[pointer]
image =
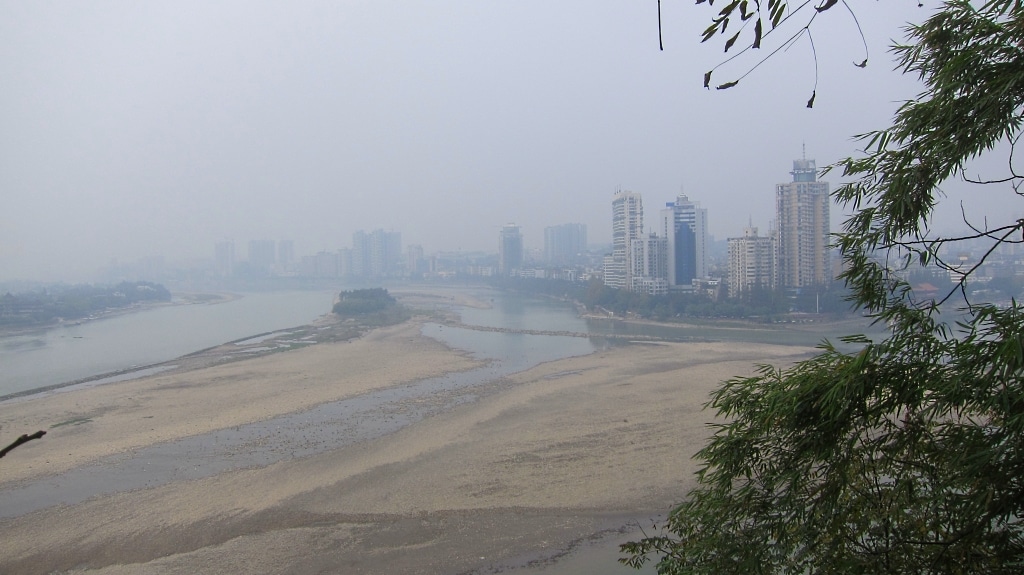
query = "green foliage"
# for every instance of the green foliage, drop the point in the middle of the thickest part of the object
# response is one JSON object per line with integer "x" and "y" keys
{"x": 777, "y": 14}
{"x": 908, "y": 455}
{"x": 902, "y": 458}
{"x": 74, "y": 302}
{"x": 760, "y": 304}
{"x": 363, "y": 302}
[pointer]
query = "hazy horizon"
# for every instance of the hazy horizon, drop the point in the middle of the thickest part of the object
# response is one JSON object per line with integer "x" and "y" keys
{"x": 132, "y": 130}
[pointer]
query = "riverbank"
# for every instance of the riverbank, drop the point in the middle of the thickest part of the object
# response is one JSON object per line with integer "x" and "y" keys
{"x": 327, "y": 329}
{"x": 189, "y": 298}
{"x": 544, "y": 460}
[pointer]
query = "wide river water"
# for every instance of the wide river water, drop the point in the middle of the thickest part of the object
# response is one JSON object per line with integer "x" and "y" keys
{"x": 54, "y": 356}
{"x": 68, "y": 353}
{"x": 161, "y": 334}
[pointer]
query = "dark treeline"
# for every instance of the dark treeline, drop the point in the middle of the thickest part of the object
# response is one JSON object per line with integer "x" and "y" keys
{"x": 70, "y": 302}
{"x": 363, "y": 301}
{"x": 374, "y": 305}
{"x": 759, "y": 304}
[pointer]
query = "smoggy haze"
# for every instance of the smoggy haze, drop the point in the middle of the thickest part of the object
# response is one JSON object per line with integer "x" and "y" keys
{"x": 133, "y": 129}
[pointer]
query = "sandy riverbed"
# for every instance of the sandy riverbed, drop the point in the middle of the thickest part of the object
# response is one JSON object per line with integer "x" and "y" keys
{"x": 555, "y": 455}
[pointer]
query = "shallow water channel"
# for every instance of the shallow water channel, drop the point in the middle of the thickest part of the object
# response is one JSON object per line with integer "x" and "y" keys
{"x": 322, "y": 428}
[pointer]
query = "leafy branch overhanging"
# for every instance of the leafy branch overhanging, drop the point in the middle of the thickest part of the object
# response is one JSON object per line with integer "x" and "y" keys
{"x": 779, "y": 16}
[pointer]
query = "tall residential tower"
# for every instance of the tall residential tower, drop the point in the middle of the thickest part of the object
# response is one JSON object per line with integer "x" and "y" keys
{"x": 802, "y": 228}
{"x": 510, "y": 249}
{"x": 565, "y": 244}
{"x": 751, "y": 262}
{"x": 376, "y": 254}
{"x": 627, "y": 227}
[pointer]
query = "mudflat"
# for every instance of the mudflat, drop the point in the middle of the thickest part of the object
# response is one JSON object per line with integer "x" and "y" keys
{"x": 562, "y": 453}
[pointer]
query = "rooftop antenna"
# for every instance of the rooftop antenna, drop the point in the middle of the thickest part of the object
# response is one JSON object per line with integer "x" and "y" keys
{"x": 804, "y": 145}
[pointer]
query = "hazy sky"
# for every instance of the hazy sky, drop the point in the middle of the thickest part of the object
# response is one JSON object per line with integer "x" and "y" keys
{"x": 134, "y": 129}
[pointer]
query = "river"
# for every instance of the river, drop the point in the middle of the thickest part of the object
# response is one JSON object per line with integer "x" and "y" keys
{"x": 68, "y": 353}
{"x": 164, "y": 333}
{"x": 355, "y": 419}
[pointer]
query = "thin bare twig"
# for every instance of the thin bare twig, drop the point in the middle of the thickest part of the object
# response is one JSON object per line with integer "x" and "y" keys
{"x": 661, "y": 45}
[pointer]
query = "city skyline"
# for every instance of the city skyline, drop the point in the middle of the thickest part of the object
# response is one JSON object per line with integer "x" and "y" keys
{"x": 264, "y": 256}
{"x": 159, "y": 129}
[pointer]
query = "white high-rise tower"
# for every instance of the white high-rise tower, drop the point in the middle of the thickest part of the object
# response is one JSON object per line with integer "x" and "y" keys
{"x": 627, "y": 226}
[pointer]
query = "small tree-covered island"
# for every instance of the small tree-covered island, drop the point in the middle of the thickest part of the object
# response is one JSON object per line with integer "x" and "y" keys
{"x": 372, "y": 306}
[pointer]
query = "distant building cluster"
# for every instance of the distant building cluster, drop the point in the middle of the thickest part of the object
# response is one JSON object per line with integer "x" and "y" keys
{"x": 654, "y": 262}
{"x": 675, "y": 255}
{"x": 378, "y": 255}
{"x": 374, "y": 255}
{"x": 795, "y": 254}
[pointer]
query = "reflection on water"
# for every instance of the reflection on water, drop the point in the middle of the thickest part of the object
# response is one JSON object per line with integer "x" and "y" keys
{"x": 514, "y": 311}
{"x": 513, "y": 349}
{"x": 146, "y": 337}
{"x": 16, "y": 343}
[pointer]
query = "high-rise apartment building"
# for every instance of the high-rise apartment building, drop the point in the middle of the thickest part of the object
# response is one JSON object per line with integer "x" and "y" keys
{"x": 564, "y": 244}
{"x": 802, "y": 228}
{"x": 361, "y": 254}
{"x": 262, "y": 255}
{"x": 416, "y": 263}
{"x": 510, "y": 249}
{"x": 321, "y": 265}
{"x": 751, "y": 262}
{"x": 285, "y": 255}
{"x": 627, "y": 226}
{"x": 649, "y": 265}
{"x": 224, "y": 256}
{"x": 684, "y": 224}
{"x": 376, "y": 254}
{"x": 345, "y": 263}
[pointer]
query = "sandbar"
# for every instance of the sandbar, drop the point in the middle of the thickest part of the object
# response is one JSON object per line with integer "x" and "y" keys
{"x": 564, "y": 452}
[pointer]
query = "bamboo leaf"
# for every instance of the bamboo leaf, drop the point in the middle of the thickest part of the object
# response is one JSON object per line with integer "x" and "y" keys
{"x": 828, "y": 4}
{"x": 731, "y": 41}
{"x": 709, "y": 32}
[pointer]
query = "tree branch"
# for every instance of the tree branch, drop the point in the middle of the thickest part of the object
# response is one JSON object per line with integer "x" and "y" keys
{"x": 23, "y": 439}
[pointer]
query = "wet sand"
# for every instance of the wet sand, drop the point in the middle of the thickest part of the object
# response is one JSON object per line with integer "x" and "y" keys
{"x": 546, "y": 459}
